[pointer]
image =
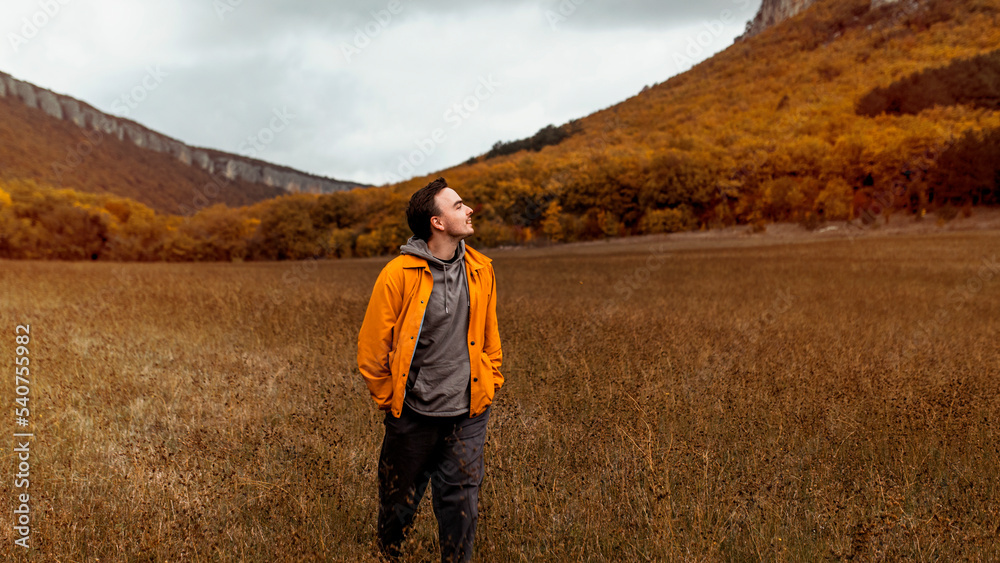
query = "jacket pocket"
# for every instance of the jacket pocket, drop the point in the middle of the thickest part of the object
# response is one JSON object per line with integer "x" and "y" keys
{"x": 391, "y": 362}
{"x": 486, "y": 375}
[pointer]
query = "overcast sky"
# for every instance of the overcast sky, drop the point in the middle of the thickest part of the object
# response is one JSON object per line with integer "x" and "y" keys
{"x": 358, "y": 90}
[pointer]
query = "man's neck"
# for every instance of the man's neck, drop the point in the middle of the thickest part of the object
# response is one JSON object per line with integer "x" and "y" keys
{"x": 443, "y": 248}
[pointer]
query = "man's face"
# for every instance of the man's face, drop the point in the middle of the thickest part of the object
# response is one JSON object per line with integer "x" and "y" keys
{"x": 454, "y": 216}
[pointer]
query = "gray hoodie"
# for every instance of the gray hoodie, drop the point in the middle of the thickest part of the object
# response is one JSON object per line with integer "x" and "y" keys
{"x": 438, "y": 383}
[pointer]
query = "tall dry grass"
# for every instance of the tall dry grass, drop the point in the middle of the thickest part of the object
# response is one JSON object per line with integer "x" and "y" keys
{"x": 664, "y": 401}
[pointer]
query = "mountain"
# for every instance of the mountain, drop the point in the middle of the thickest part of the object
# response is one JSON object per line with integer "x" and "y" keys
{"x": 768, "y": 130}
{"x": 57, "y": 140}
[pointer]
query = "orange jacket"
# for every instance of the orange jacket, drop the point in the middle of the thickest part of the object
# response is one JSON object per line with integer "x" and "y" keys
{"x": 389, "y": 333}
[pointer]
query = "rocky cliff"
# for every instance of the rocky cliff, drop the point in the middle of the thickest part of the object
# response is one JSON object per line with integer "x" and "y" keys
{"x": 231, "y": 166}
{"x": 773, "y": 12}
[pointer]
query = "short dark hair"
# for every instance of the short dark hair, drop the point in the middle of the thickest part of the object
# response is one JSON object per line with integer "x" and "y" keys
{"x": 422, "y": 207}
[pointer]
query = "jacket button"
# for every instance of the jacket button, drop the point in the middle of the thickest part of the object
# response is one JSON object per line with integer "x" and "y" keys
{"x": 475, "y": 379}
{"x": 473, "y": 342}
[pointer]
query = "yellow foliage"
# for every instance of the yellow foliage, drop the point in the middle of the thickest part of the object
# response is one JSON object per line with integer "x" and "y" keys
{"x": 666, "y": 221}
{"x": 551, "y": 225}
{"x": 834, "y": 201}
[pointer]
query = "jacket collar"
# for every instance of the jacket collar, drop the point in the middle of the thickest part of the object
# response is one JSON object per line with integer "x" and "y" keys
{"x": 474, "y": 260}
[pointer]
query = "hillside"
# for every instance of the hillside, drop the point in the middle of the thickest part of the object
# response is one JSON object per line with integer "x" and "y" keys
{"x": 53, "y": 139}
{"x": 764, "y": 131}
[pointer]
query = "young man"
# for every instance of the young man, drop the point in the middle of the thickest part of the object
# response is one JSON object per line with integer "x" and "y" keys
{"x": 429, "y": 351}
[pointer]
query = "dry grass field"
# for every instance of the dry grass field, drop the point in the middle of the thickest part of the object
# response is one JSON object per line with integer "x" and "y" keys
{"x": 666, "y": 400}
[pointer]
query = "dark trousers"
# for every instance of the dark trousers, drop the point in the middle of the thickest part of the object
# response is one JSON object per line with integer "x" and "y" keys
{"x": 448, "y": 453}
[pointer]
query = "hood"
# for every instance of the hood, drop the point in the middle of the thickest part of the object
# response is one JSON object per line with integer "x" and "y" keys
{"x": 446, "y": 271}
{"x": 418, "y": 247}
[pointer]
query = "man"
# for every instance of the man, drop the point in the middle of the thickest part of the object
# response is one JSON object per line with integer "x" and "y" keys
{"x": 429, "y": 351}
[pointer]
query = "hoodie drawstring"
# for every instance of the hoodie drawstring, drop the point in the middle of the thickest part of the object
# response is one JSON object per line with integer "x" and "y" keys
{"x": 418, "y": 247}
{"x": 446, "y": 309}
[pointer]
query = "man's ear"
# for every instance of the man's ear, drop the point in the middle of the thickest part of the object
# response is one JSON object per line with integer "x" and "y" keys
{"x": 436, "y": 223}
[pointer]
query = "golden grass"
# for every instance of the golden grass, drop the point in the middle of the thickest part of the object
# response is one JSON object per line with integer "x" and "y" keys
{"x": 665, "y": 401}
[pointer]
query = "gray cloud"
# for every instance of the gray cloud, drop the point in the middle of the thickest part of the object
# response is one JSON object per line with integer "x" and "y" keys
{"x": 604, "y": 13}
{"x": 367, "y": 86}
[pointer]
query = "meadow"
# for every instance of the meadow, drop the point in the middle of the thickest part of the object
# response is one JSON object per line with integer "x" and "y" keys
{"x": 667, "y": 399}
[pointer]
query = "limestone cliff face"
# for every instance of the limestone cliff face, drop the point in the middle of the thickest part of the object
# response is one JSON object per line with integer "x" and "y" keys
{"x": 773, "y": 12}
{"x": 231, "y": 166}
